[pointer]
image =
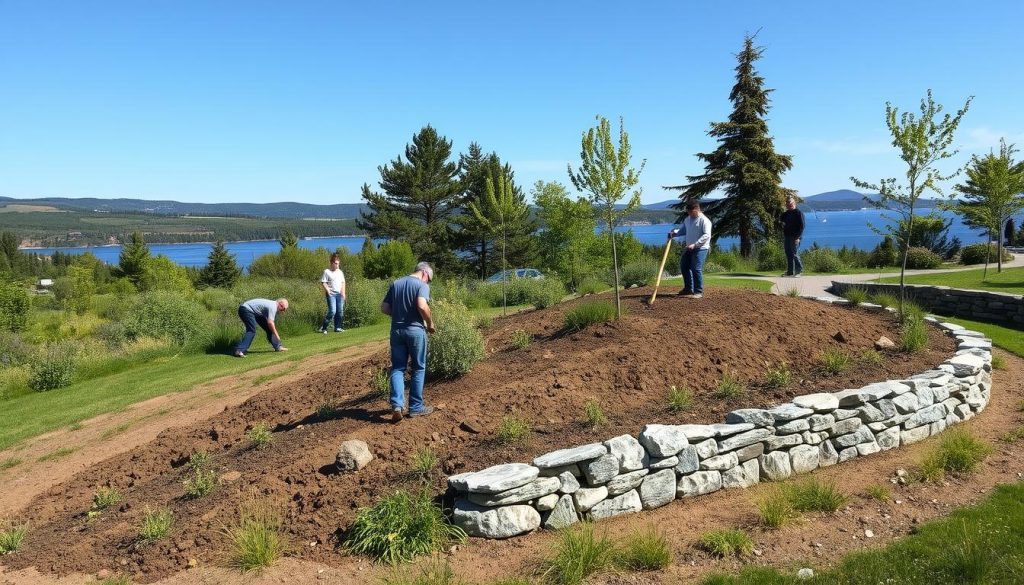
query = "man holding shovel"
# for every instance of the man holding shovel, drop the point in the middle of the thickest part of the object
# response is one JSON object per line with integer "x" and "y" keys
{"x": 697, "y": 231}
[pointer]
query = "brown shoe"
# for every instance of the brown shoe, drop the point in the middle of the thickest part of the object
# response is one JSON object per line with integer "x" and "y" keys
{"x": 683, "y": 293}
{"x": 396, "y": 415}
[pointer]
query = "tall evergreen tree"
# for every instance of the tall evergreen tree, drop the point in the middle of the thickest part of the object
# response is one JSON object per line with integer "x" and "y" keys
{"x": 422, "y": 194}
{"x": 10, "y": 256}
{"x": 288, "y": 239}
{"x": 993, "y": 193}
{"x": 499, "y": 210}
{"x": 473, "y": 237}
{"x": 745, "y": 166}
{"x": 133, "y": 259}
{"x": 221, "y": 270}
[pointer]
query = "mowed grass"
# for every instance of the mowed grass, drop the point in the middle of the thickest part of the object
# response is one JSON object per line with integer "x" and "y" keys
{"x": 1009, "y": 339}
{"x": 1010, "y": 280}
{"x": 978, "y": 544}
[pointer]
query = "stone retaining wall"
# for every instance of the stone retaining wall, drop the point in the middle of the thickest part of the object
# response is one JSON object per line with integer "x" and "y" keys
{"x": 979, "y": 305}
{"x": 629, "y": 473}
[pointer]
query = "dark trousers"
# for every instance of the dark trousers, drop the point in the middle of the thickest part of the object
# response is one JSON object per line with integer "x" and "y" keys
{"x": 793, "y": 264}
{"x": 251, "y": 320}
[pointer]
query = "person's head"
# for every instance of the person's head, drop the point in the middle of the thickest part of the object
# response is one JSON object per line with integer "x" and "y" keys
{"x": 282, "y": 305}
{"x": 790, "y": 202}
{"x": 335, "y": 261}
{"x": 425, "y": 272}
{"x": 693, "y": 207}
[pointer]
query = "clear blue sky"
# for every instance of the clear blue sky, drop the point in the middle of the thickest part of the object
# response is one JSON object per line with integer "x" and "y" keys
{"x": 301, "y": 101}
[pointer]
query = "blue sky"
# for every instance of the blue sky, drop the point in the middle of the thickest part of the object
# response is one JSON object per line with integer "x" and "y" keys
{"x": 301, "y": 101}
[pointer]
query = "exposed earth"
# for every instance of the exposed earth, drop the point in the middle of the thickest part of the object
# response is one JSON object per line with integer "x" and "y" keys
{"x": 626, "y": 366}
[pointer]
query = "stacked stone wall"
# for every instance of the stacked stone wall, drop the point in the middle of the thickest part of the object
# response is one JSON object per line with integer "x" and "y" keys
{"x": 978, "y": 305}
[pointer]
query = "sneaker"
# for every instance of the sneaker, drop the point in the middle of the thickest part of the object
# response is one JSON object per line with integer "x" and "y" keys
{"x": 683, "y": 293}
{"x": 239, "y": 354}
{"x": 337, "y": 330}
{"x": 786, "y": 275}
{"x": 697, "y": 296}
{"x": 797, "y": 275}
{"x": 324, "y": 331}
{"x": 396, "y": 415}
{"x": 426, "y": 410}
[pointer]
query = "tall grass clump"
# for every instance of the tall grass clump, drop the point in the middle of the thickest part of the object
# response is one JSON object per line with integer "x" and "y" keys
{"x": 587, "y": 314}
{"x": 998, "y": 363}
{"x": 594, "y": 415}
{"x": 260, "y": 435}
{"x": 856, "y": 295}
{"x": 400, "y": 527}
{"x": 380, "y": 381}
{"x": 644, "y": 550}
{"x": 730, "y": 386}
{"x": 913, "y": 332}
{"x": 833, "y": 361}
{"x": 104, "y": 498}
{"x": 521, "y": 339}
{"x": 879, "y": 492}
{"x": 679, "y": 398}
{"x": 885, "y": 299}
{"x": 457, "y": 345}
{"x": 156, "y": 524}
{"x": 423, "y": 463}
{"x": 590, "y": 286}
{"x": 726, "y": 543}
{"x": 54, "y": 367}
{"x": 432, "y": 573}
{"x": 813, "y": 495}
{"x": 793, "y": 292}
{"x": 170, "y": 316}
{"x": 778, "y": 376}
{"x": 256, "y": 540}
{"x": 513, "y": 429}
{"x": 959, "y": 452}
{"x": 11, "y": 537}
{"x": 577, "y": 555}
{"x": 871, "y": 357}
{"x": 776, "y": 510}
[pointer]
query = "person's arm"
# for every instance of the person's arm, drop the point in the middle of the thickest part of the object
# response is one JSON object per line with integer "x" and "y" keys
{"x": 385, "y": 307}
{"x": 705, "y": 235}
{"x": 428, "y": 319}
{"x": 275, "y": 335}
{"x": 323, "y": 284}
{"x": 344, "y": 295}
{"x": 800, "y": 225}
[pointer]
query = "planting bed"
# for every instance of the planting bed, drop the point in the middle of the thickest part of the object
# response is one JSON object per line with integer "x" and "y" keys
{"x": 627, "y": 367}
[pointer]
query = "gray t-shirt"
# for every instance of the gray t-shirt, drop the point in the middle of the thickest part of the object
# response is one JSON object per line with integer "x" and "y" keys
{"x": 402, "y": 295}
{"x": 264, "y": 307}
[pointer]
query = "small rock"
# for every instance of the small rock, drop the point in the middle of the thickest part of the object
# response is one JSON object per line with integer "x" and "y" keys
{"x": 103, "y": 574}
{"x": 869, "y": 534}
{"x": 805, "y": 574}
{"x": 838, "y": 336}
{"x": 884, "y": 343}
{"x": 353, "y": 455}
{"x": 230, "y": 476}
{"x": 469, "y": 428}
{"x": 193, "y": 563}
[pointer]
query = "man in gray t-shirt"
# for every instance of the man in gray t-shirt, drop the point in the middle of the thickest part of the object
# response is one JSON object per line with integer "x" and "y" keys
{"x": 260, "y": 312}
{"x": 406, "y": 303}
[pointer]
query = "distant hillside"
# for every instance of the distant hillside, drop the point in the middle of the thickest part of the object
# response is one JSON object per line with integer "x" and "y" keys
{"x": 847, "y": 199}
{"x": 286, "y": 210}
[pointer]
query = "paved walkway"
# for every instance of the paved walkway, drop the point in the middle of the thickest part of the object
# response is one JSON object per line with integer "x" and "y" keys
{"x": 815, "y": 284}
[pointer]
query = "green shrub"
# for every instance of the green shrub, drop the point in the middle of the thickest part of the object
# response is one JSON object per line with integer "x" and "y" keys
{"x": 392, "y": 259}
{"x": 513, "y": 429}
{"x": 975, "y": 254}
{"x": 380, "y": 382}
{"x": 586, "y": 314}
{"x": 105, "y": 498}
{"x": 218, "y": 300}
{"x": 639, "y": 273}
{"x": 793, "y": 292}
{"x": 879, "y": 492}
{"x": 260, "y": 435}
{"x": 594, "y": 415}
{"x": 292, "y": 262}
{"x": 589, "y": 286}
{"x": 884, "y": 254}
{"x": 256, "y": 541}
{"x": 730, "y": 386}
{"x": 822, "y": 260}
{"x": 579, "y": 554}
{"x": 483, "y": 321}
{"x": 162, "y": 273}
{"x": 776, "y": 510}
{"x": 833, "y": 361}
{"x": 537, "y": 292}
{"x": 200, "y": 483}
{"x": 170, "y": 316}
{"x": 713, "y": 268}
{"x": 871, "y": 357}
{"x": 771, "y": 256}
{"x": 14, "y": 351}
{"x": 423, "y": 463}
{"x": 959, "y": 452}
{"x": 362, "y": 305}
{"x": 456, "y": 346}
{"x": 726, "y": 543}
{"x": 998, "y": 363}
{"x": 545, "y": 292}
{"x": 113, "y": 334}
{"x": 856, "y": 295}
{"x": 679, "y": 398}
{"x": 919, "y": 258}
{"x": 521, "y": 339}
{"x": 645, "y": 550}
{"x": 54, "y": 367}
{"x": 813, "y": 495}
{"x": 913, "y": 335}
{"x": 306, "y": 307}
{"x": 14, "y": 306}
{"x": 432, "y": 573}
{"x": 199, "y": 460}
{"x": 778, "y": 376}
{"x": 156, "y": 524}
{"x": 400, "y": 527}
{"x": 11, "y": 537}
{"x": 885, "y": 299}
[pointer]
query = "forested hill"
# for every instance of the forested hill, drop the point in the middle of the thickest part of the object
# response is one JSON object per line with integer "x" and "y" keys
{"x": 284, "y": 209}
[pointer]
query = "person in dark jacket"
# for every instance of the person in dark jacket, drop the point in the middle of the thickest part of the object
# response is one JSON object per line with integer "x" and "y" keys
{"x": 792, "y": 231}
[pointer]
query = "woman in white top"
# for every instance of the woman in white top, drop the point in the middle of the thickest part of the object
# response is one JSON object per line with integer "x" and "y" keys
{"x": 333, "y": 283}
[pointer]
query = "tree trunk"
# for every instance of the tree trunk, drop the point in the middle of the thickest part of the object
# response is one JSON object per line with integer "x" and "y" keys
{"x": 988, "y": 252}
{"x": 615, "y": 264}
{"x": 746, "y": 249}
{"x": 999, "y": 246}
{"x": 504, "y": 276}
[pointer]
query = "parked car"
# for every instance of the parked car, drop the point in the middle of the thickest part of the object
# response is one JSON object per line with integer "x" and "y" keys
{"x": 515, "y": 273}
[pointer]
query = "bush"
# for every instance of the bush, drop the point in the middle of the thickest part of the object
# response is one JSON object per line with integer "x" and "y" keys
{"x": 457, "y": 345}
{"x": 856, "y": 295}
{"x": 113, "y": 334}
{"x": 922, "y": 258}
{"x": 170, "y": 316}
{"x": 14, "y": 306}
{"x": 884, "y": 254}
{"x": 293, "y": 263}
{"x": 54, "y": 367}
{"x": 639, "y": 273}
{"x": 594, "y": 415}
{"x": 713, "y": 268}
{"x": 218, "y": 299}
{"x": 833, "y": 362}
{"x": 201, "y": 483}
{"x": 771, "y": 256}
{"x": 776, "y": 510}
{"x": 400, "y": 527}
{"x": 14, "y": 351}
{"x": 959, "y": 452}
{"x": 976, "y": 253}
{"x": 816, "y": 496}
{"x": 423, "y": 463}
{"x": 644, "y": 551}
{"x": 513, "y": 429}
{"x": 778, "y": 376}
{"x": 521, "y": 339}
{"x": 392, "y": 259}
{"x": 256, "y": 540}
{"x": 11, "y": 537}
{"x": 730, "y": 386}
{"x": 362, "y": 307}
{"x": 822, "y": 260}
{"x": 589, "y": 286}
{"x": 105, "y": 498}
{"x": 578, "y": 555}
{"x": 726, "y": 543}
{"x": 538, "y": 292}
{"x": 586, "y": 314}
{"x": 260, "y": 436}
{"x": 545, "y": 292}
{"x": 679, "y": 399}
{"x": 155, "y": 524}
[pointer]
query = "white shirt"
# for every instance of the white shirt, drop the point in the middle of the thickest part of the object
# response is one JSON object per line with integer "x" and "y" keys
{"x": 334, "y": 279}
{"x": 697, "y": 231}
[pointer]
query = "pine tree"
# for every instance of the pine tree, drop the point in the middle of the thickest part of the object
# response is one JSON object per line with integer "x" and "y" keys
{"x": 422, "y": 194}
{"x": 288, "y": 239}
{"x": 993, "y": 193}
{"x": 745, "y": 166}
{"x": 472, "y": 234}
{"x": 221, "y": 270}
{"x": 501, "y": 208}
{"x": 133, "y": 259}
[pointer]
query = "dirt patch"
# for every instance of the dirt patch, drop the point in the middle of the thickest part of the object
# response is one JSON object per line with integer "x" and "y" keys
{"x": 625, "y": 366}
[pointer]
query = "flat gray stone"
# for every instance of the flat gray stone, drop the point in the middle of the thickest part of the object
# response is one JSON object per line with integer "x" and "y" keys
{"x": 789, "y": 411}
{"x": 925, "y": 397}
{"x": 720, "y": 462}
{"x": 569, "y": 483}
{"x": 630, "y": 453}
{"x": 794, "y": 426}
{"x": 868, "y": 413}
{"x": 663, "y": 462}
{"x": 742, "y": 476}
{"x": 827, "y": 454}
{"x": 965, "y": 364}
{"x": 755, "y": 416}
{"x": 905, "y": 403}
{"x": 663, "y": 440}
{"x": 658, "y": 489}
{"x": 708, "y": 448}
{"x": 562, "y": 515}
{"x": 951, "y": 326}
{"x": 496, "y": 479}
{"x": 557, "y": 471}
{"x": 749, "y": 452}
{"x": 776, "y": 443}
{"x": 546, "y": 503}
{"x": 699, "y": 483}
{"x": 688, "y": 461}
{"x": 914, "y": 435}
{"x": 861, "y": 435}
{"x": 813, "y": 438}
{"x": 627, "y": 503}
{"x": 868, "y": 448}
{"x": 504, "y": 522}
{"x": 537, "y": 488}
{"x": 743, "y": 439}
{"x": 821, "y": 422}
{"x": 844, "y": 413}
{"x": 696, "y": 433}
{"x": 845, "y": 426}
{"x": 925, "y": 416}
{"x": 869, "y": 393}
{"x": 569, "y": 456}
{"x": 627, "y": 481}
{"x": 726, "y": 429}
{"x": 972, "y": 342}
{"x": 600, "y": 470}
{"x": 847, "y": 454}
{"x": 587, "y": 498}
{"x": 824, "y": 402}
{"x": 775, "y": 466}
{"x": 804, "y": 458}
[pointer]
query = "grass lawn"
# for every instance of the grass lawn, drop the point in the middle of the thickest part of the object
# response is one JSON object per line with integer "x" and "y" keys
{"x": 32, "y": 414}
{"x": 1010, "y": 280}
{"x": 979, "y": 544}
{"x": 1012, "y": 340}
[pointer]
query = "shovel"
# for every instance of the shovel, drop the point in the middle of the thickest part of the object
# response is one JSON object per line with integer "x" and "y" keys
{"x": 661, "y": 268}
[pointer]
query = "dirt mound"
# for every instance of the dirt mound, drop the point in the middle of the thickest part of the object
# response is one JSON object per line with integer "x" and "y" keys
{"x": 626, "y": 366}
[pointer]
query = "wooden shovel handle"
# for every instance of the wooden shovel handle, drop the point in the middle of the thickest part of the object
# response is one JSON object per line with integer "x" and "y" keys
{"x": 661, "y": 268}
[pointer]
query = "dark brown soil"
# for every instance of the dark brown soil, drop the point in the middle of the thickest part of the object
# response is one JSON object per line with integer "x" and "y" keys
{"x": 626, "y": 366}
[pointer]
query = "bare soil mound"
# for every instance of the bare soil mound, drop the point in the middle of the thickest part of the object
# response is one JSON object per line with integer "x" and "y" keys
{"x": 626, "y": 366}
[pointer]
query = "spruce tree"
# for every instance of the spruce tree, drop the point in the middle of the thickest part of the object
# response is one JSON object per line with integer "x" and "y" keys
{"x": 221, "y": 270}
{"x": 288, "y": 239}
{"x": 421, "y": 196}
{"x": 744, "y": 167}
{"x": 133, "y": 259}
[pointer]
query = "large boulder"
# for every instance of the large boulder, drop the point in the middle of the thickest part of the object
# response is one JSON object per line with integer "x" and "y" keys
{"x": 353, "y": 455}
{"x": 562, "y": 515}
{"x": 658, "y": 489}
{"x": 504, "y": 522}
{"x": 537, "y": 488}
{"x": 663, "y": 440}
{"x": 699, "y": 483}
{"x": 629, "y": 452}
{"x": 496, "y": 479}
{"x": 627, "y": 503}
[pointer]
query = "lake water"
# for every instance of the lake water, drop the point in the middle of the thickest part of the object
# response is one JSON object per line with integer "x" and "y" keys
{"x": 832, "y": 229}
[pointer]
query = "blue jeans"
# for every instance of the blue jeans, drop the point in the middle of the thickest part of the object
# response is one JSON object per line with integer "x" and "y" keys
{"x": 408, "y": 344}
{"x": 793, "y": 264}
{"x": 691, "y": 264}
{"x": 251, "y": 320}
{"x": 335, "y": 310}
